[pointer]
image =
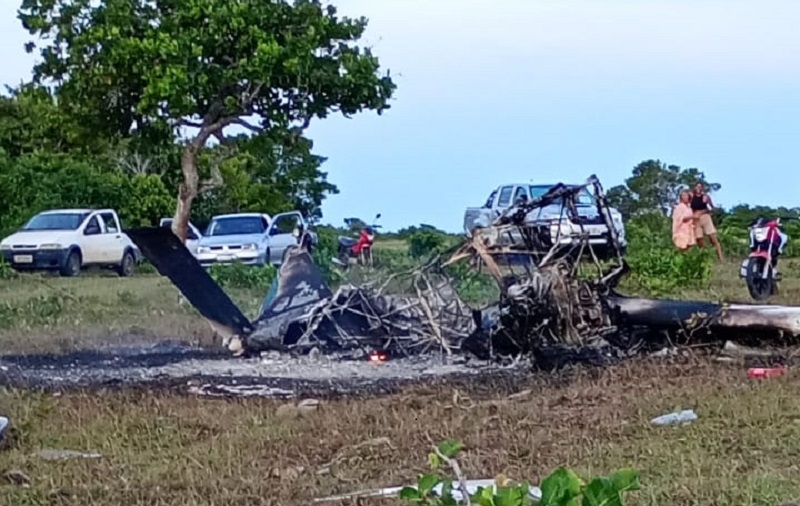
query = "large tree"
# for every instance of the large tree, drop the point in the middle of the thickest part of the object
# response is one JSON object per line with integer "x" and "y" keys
{"x": 164, "y": 66}
{"x": 654, "y": 187}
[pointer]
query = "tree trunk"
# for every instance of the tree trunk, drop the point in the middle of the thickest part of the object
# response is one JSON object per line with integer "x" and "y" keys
{"x": 188, "y": 188}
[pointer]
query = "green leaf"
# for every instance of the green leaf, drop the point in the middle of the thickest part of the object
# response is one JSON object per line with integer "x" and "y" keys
{"x": 626, "y": 480}
{"x": 426, "y": 483}
{"x": 560, "y": 488}
{"x": 410, "y": 494}
{"x": 434, "y": 461}
{"x": 450, "y": 448}
{"x": 601, "y": 492}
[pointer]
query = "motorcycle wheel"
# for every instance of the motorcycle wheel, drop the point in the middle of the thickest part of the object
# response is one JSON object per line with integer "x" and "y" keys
{"x": 760, "y": 289}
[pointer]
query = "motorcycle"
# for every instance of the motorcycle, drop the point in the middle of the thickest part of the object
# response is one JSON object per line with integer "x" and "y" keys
{"x": 357, "y": 251}
{"x": 760, "y": 268}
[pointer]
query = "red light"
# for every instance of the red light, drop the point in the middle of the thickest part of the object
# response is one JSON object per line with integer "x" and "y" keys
{"x": 378, "y": 356}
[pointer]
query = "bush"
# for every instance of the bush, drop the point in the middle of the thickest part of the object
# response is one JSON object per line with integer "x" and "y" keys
{"x": 657, "y": 267}
{"x": 424, "y": 243}
{"x": 325, "y": 252}
{"x": 238, "y": 275}
{"x": 562, "y": 488}
{"x": 6, "y": 272}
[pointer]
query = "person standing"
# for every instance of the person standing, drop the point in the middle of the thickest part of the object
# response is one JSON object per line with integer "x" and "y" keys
{"x": 683, "y": 235}
{"x": 703, "y": 224}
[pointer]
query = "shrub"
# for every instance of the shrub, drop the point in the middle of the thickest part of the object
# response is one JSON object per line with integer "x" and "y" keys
{"x": 238, "y": 275}
{"x": 424, "y": 243}
{"x": 6, "y": 271}
{"x": 657, "y": 267}
{"x": 562, "y": 488}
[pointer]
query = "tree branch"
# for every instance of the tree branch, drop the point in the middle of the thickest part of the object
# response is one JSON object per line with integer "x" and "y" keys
{"x": 249, "y": 126}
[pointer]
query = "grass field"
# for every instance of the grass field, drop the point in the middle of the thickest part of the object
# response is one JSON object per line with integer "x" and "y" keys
{"x": 164, "y": 449}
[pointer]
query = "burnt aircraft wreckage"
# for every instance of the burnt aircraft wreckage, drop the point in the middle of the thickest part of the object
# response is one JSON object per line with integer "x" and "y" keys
{"x": 548, "y": 309}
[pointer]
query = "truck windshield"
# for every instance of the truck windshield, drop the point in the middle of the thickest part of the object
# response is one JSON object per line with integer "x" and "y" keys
{"x": 583, "y": 198}
{"x": 55, "y": 221}
{"x": 236, "y": 225}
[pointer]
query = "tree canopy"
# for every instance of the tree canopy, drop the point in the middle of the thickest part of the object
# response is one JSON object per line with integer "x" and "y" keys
{"x": 153, "y": 68}
{"x": 654, "y": 187}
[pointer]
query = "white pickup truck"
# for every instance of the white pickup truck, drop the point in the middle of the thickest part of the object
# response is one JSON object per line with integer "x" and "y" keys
{"x": 563, "y": 229}
{"x": 68, "y": 240}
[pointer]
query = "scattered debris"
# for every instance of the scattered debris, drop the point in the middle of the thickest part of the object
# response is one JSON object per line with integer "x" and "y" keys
{"x": 763, "y": 372}
{"x": 734, "y": 350}
{"x": 3, "y": 426}
{"x": 552, "y": 310}
{"x": 308, "y": 406}
{"x": 17, "y": 477}
{"x": 472, "y": 486}
{"x": 239, "y": 390}
{"x": 50, "y": 454}
{"x": 677, "y": 418}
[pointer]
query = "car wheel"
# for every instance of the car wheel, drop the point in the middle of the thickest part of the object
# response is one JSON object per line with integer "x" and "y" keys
{"x": 127, "y": 266}
{"x": 72, "y": 266}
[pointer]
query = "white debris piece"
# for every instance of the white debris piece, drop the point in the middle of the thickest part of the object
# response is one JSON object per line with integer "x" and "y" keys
{"x": 472, "y": 487}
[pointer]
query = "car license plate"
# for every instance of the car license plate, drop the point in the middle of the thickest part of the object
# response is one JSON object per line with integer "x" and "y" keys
{"x": 23, "y": 259}
{"x": 225, "y": 258}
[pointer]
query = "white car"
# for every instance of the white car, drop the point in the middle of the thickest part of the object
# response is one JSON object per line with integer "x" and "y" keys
{"x": 193, "y": 235}
{"x": 68, "y": 240}
{"x": 252, "y": 238}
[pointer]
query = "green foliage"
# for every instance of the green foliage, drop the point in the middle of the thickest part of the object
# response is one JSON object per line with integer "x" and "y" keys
{"x": 654, "y": 187}
{"x": 146, "y": 69}
{"x": 324, "y": 254}
{"x": 475, "y": 288}
{"x": 6, "y": 272}
{"x": 563, "y": 487}
{"x": 423, "y": 243}
{"x": 657, "y": 267}
{"x": 238, "y": 275}
{"x": 50, "y": 181}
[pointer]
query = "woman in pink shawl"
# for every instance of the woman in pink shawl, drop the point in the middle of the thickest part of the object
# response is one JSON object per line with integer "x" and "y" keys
{"x": 683, "y": 223}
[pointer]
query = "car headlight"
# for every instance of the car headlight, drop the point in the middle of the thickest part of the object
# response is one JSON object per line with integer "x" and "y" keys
{"x": 5, "y": 246}
{"x": 50, "y": 246}
{"x": 203, "y": 249}
{"x": 250, "y": 246}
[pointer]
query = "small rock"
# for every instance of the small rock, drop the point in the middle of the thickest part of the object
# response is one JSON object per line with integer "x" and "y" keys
{"x": 314, "y": 354}
{"x": 307, "y": 406}
{"x": 17, "y": 477}
{"x": 520, "y": 395}
{"x": 287, "y": 411}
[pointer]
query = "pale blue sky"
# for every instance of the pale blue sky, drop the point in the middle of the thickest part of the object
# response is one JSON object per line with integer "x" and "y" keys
{"x": 501, "y": 91}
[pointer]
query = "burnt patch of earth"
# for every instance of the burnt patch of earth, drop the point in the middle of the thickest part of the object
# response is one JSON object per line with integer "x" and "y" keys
{"x": 214, "y": 372}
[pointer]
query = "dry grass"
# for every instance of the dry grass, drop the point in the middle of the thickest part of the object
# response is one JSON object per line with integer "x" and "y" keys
{"x": 160, "y": 449}
{"x": 165, "y": 449}
{"x": 48, "y": 313}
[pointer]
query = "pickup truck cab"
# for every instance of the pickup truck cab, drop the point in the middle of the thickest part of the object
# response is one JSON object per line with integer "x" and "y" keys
{"x": 68, "y": 240}
{"x": 193, "y": 235}
{"x": 562, "y": 229}
{"x": 250, "y": 238}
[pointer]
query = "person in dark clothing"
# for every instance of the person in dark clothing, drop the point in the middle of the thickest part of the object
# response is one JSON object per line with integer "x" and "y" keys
{"x": 703, "y": 224}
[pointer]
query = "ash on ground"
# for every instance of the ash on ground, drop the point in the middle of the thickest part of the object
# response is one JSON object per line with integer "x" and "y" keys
{"x": 203, "y": 371}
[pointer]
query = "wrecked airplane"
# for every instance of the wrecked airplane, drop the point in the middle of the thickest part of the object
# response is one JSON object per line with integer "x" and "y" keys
{"x": 548, "y": 310}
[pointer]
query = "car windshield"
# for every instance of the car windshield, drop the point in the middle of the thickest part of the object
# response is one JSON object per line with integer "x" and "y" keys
{"x": 236, "y": 225}
{"x": 583, "y": 198}
{"x": 55, "y": 221}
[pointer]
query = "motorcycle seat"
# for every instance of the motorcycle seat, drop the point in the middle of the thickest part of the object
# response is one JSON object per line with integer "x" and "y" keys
{"x": 347, "y": 242}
